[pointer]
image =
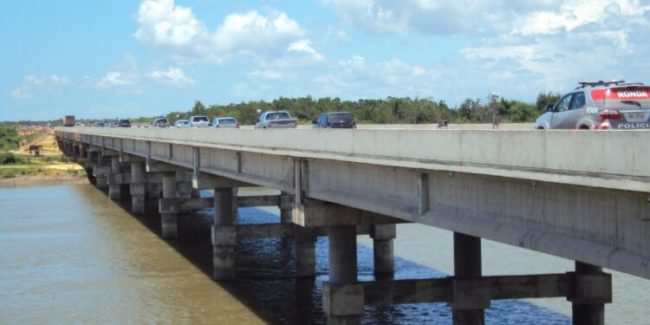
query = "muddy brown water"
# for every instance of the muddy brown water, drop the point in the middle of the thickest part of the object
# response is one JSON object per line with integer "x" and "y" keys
{"x": 69, "y": 255}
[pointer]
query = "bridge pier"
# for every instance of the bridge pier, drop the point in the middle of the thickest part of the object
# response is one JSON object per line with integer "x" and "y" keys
{"x": 114, "y": 181}
{"x": 592, "y": 289}
{"x": 184, "y": 183}
{"x": 169, "y": 219}
{"x": 101, "y": 171}
{"x": 154, "y": 186}
{"x": 342, "y": 297}
{"x": 468, "y": 302}
{"x": 305, "y": 251}
{"x": 224, "y": 233}
{"x": 91, "y": 160}
{"x": 138, "y": 188}
{"x": 382, "y": 249}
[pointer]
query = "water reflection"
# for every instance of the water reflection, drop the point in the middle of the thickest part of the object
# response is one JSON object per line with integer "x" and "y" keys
{"x": 70, "y": 255}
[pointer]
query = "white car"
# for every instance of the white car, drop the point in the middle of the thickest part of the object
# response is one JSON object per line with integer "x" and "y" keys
{"x": 199, "y": 121}
{"x": 182, "y": 124}
{"x": 225, "y": 122}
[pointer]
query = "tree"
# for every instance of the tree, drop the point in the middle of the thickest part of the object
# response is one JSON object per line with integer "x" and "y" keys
{"x": 520, "y": 112}
{"x": 546, "y": 98}
{"x": 199, "y": 108}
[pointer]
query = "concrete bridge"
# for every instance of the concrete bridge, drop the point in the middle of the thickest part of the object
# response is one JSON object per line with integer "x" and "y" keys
{"x": 579, "y": 195}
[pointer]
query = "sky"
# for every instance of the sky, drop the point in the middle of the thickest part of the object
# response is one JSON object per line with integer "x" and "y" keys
{"x": 109, "y": 59}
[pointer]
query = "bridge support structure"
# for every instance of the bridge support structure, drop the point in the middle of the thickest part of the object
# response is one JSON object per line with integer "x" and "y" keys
{"x": 116, "y": 179}
{"x": 137, "y": 188}
{"x": 101, "y": 171}
{"x": 467, "y": 292}
{"x": 224, "y": 233}
{"x": 168, "y": 218}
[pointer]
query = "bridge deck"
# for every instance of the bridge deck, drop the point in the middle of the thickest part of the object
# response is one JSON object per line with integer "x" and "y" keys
{"x": 579, "y": 195}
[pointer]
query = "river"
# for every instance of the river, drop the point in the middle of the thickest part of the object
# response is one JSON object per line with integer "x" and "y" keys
{"x": 69, "y": 255}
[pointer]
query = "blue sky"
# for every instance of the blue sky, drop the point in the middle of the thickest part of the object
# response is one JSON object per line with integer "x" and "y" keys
{"x": 106, "y": 59}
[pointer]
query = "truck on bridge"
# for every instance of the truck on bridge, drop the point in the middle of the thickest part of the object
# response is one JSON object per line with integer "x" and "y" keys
{"x": 69, "y": 120}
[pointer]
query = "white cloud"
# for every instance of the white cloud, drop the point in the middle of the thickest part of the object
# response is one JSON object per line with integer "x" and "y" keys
{"x": 575, "y": 14}
{"x": 116, "y": 79}
{"x": 252, "y": 32}
{"x": 425, "y": 16}
{"x": 266, "y": 74}
{"x": 32, "y": 83}
{"x": 173, "y": 76}
{"x": 304, "y": 46}
{"x": 555, "y": 47}
{"x": 363, "y": 79}
{"x": 164, "y": 24}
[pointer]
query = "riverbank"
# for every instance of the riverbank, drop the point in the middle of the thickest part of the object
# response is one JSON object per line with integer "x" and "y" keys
{"x": 43, "y": 180}
{"x": 22, "y": 169}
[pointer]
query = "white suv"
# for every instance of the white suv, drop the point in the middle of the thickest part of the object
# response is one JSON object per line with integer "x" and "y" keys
{"x": 600, "y": 105}
{"x": 199, "y": 121}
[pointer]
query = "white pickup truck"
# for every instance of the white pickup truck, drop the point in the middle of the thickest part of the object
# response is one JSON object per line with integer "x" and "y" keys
{"x": 275, "y": 120}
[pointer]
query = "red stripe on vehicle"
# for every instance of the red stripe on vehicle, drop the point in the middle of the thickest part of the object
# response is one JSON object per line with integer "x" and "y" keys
{"x": 598, "y": 94}
{"x": 630, "y": 93}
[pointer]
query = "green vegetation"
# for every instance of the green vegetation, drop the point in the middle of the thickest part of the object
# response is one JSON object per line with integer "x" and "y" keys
{"x": 381, "y": 111}
{"x": 9, "y": 138}
{"x": 12, "y": 165}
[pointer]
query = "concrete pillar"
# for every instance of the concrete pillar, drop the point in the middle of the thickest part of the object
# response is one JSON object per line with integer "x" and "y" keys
{"x": 467, "y": 264}
{"x": 184, "y": 183}
{"x": 91, "y": 157}
{"x": 382, "y": 247}
{"x": 224, "y": 233}
{"x": 341, "y": 294}
{"x": 169, "y": 221}
{"x": 101, "y": 175}
{"x": 114, "y": 189}
{"x": 154, "y": 185}
{"x": 305, "y": 250}
{"x": 585, "y": 311}
{"x": 286, "y": 208}
{"x": 137, "y": 188}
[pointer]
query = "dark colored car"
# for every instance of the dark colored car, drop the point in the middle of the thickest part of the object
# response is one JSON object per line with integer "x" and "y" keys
{"x": 340, "y": 120}
{"x": 160, "y": 122}
{"x": 123, "y": 123}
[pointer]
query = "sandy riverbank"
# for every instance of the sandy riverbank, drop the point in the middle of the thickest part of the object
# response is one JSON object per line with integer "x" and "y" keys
{"x": 42, "y": 180}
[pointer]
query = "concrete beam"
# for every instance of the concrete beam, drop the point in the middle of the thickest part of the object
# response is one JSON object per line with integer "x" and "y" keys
{"x": 316, "y": 213}
{"x": 184, "y": 205}
{"x": 206, "y": 181}
{"x": 109, "y": 153}
{"x": 153, "y": 166}
{"x": 127, "y": 158}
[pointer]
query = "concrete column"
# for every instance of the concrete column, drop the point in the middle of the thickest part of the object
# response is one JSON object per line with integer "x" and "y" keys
{"x": 224, "y": 233}
{"x": 305, "y": 250}
{"x": 154, "y": 185}
{"x": 137, "y": 188}
{"x": 382, "y": 247}
{"x": 286, "y": 208}
{"x": 342, "y": 273}
{"x": 101, "y": 175}
{"x": 169, "y": 221}
{"x": 91, "y": 157}
{"x": 467, "y": 264}
{"x": 114, "y": 189}
{"x": 585, "y": 311}
{"x": 184, "y": 183}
